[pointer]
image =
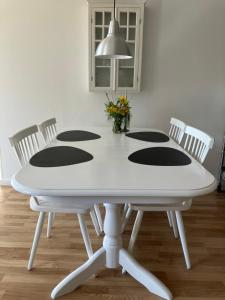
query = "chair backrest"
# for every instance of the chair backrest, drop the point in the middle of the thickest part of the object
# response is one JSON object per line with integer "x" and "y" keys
{"x": 177, "y": 129}
{"x": 197, "y": 143}
{"x": 48, "y": 130}
{"x": 25, "y": 143}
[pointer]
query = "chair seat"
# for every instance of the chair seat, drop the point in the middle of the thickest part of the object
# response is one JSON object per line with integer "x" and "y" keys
{"x": 59, "y": 205}
{"x": 166, "y": 206}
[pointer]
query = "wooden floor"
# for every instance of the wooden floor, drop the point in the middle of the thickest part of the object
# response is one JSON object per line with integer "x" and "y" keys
{"x": 156, "y": 249}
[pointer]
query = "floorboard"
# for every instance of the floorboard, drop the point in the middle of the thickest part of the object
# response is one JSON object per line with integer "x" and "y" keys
{"x": 156, "y": 249}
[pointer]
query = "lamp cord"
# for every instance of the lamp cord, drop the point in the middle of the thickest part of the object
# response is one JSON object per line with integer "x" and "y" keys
{"x": 114, "y": 9}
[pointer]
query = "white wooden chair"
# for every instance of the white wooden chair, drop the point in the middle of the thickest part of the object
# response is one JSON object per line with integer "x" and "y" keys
{"x": 26, "y": 144}
{"x": 176, "y": 132}
{"x": 49, "y": 131}
{"x": 177, "y": 129}
{"x": 198, "y": 144}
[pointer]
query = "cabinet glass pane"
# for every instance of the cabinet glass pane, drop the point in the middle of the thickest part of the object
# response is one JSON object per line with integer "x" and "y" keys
{"x": 107, "y": 18}
{"x": 131, "y": 34}
{"x": 123, "y": 18}
{"x": 132, "y": 19}
{"x": 106, "y": 30}
{"x": 102, "y": 77}
{"x": 98, "y": 33}
{"x": 102, "y": 62}
{"x": 98, "y": 18}
{"x": 123, "y": 32}
{"x": 132, "y": 48}
{"x": 126, "y": 77}
{"x": 129, "y": 62}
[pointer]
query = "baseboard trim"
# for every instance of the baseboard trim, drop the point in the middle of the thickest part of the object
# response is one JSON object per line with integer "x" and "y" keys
{"x": 5, "y": 182}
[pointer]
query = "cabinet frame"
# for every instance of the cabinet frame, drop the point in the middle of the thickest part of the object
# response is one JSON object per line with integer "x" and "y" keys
{"x": 136, "y": 6}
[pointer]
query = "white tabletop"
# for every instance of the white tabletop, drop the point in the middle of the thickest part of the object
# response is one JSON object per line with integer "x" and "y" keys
{"x": 111, "y": 174}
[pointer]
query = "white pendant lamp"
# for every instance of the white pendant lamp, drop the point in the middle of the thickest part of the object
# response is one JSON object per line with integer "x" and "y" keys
{"x": 113, "y": 46}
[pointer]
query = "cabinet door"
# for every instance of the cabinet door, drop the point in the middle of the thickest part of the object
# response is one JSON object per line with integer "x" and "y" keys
{"x": 101, "y": 68}
{"x": 127, "y": 69}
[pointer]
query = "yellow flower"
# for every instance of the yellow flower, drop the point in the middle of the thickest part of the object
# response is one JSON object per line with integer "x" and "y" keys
{"x": 123, "y": 100}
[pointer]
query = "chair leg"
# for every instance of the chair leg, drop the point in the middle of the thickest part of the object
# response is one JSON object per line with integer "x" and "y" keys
{"x": 183, "y": 238}
{"x": 126, "y": 219}
{"x": 51, "y": 217}
{"x": 85, "y": 235}
{"x": 135, "y": 230}
{"x": 36, "y": 239}
{"x": 125, "y": 208}
{"x": 95, "y": 222}
{"x": 99, "y": 217}
{"x": 174, "y": 223}
{"x": 169, "y": 218}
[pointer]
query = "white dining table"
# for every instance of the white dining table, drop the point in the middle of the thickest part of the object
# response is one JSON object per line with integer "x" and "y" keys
{"x": 112, "y": 179}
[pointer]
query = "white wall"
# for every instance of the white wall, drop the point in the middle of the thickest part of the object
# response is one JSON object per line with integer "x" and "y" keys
{"x": 44, "y": 68}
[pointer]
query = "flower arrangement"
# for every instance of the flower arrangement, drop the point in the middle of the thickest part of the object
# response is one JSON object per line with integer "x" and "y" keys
{"x": 119, "y": 111}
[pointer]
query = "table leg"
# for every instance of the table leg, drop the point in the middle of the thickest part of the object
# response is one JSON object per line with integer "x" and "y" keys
{"x": 80, "y": 275}
{"x": 111, "y": 255}
{"x": 152, "y": 283}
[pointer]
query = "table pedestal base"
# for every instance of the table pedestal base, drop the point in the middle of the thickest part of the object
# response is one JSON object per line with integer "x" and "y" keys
{"x": 111, "y": 255}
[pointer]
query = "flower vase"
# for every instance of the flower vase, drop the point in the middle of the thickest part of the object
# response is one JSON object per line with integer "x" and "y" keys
{"x": 126, "y": 123}
{"x": 117, "y": 125}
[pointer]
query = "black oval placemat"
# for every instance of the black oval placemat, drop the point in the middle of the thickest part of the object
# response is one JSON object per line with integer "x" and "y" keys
{"x": 149, "y": 136}
{"x": 60, "y": 156}
{"x": 77, "y": 135}
{"x": 160, "y": 156}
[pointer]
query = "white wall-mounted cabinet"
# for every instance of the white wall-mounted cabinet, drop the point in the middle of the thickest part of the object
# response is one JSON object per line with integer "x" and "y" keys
{"x": 110, "y": 74}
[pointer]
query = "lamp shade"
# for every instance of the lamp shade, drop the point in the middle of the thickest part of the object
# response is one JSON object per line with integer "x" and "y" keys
{"x": 113, "y": 46}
